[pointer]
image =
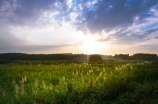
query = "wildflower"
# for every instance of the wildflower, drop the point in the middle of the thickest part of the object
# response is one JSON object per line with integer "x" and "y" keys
{"x": 103, "y": 69}
{"x": 82, "y": 80}
{"x": 104, "y": 78}
{"x": 94, "y": 82}
{"x": 87, "y": 74}
{"x": 73, "y": 73}
{"x": 16, "y": 89}
{"x": 25, "y": 79}
{"x": 36, "y": 83}
{"x": 89, "y": 82}
{"x": 63, "y": 79}
{"x": 100, "y": 74}
{"x": 60, "y": 80}
{"x": 50, "y": 86}
{"x": 44, "y": 85}
{"x": 97, "y": 79}
{"x": 77, "y": 73}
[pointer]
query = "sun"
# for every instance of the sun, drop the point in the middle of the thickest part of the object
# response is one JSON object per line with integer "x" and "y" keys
{"x": 92, "y": 46}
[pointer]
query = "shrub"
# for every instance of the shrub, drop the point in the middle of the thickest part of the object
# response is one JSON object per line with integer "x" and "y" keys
{"x": 95, "y": 58}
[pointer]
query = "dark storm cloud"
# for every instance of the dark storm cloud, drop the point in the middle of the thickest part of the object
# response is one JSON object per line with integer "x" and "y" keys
{"x": 111, "y": 15}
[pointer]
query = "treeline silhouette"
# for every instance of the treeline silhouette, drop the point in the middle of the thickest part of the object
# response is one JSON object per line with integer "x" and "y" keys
{"x": 23, "y": 56}
{"x": 74, "y": 57}
{"x": 137, "y": 56}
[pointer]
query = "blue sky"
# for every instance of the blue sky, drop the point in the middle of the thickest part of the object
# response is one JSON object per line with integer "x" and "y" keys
{"x": 79, "y": 26}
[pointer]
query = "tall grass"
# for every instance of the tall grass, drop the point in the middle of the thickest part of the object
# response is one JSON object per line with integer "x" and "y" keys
{"x": 114, "y": 82}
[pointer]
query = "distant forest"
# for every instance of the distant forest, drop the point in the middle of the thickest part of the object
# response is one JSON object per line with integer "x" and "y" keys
{"x": 75, "y": 57}
{"x": 137, "y": 56}
{"x": 23, "y": 56}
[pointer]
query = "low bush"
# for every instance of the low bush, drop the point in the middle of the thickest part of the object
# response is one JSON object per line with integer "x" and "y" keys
{"x": 95, "y": 58}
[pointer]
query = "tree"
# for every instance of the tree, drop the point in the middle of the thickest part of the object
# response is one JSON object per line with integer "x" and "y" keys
{"x": 95, "y": 58}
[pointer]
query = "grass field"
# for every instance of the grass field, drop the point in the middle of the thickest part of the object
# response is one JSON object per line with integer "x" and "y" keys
{"x": 109, "y": 82}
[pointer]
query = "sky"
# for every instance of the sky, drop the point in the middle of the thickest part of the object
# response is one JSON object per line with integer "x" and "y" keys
{"x": 79, "y": 26}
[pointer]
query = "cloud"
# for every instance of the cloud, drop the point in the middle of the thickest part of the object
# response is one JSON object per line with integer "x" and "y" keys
{"x": 136, "y": 37}
{"x": 147, "y": 49}
{"x": 107, "y": 39}
{"x": 26, "y": 12}
{"x": 92, "y": 16}
{"x": 156, "y": 37}
{"x": 10, "y": 43}
{"x": 131, "y": 37}
{"x": 113, "y": 15}
{"x": 28, "y": 48}
{"x": 118, "y": 19}
{"x": 8, "y": 38}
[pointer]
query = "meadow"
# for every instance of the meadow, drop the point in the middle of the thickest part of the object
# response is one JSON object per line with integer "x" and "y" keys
{"x": 63, "y": 82}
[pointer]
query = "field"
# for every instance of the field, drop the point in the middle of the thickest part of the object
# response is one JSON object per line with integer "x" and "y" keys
{"x": 51, "y": 82}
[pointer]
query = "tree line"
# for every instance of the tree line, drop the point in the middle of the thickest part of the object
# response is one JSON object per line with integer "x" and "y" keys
{"x": 75, "y": 57}
{"x": 23, "y": 56}
{"x": 137, "y": 56}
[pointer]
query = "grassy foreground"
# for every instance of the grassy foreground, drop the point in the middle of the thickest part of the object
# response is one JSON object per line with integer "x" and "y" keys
{"x": 113, "y": 82}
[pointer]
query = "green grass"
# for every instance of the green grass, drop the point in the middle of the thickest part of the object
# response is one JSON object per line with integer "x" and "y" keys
{"x": 109, "y": 82}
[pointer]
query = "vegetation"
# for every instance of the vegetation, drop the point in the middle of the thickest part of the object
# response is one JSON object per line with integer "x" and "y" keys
{"x": 23, "y": 56}
{"x": 75, "y": 57}
{"x": 137, "y": 56}
{"x": 112, "y": 82}
{"x": 95, "y": 58}
{"x": 148, "y": 57}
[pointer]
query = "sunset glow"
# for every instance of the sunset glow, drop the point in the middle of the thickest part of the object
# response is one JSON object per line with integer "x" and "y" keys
{"x": 92, "y": 47}
{"x": 79, "y": 26}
